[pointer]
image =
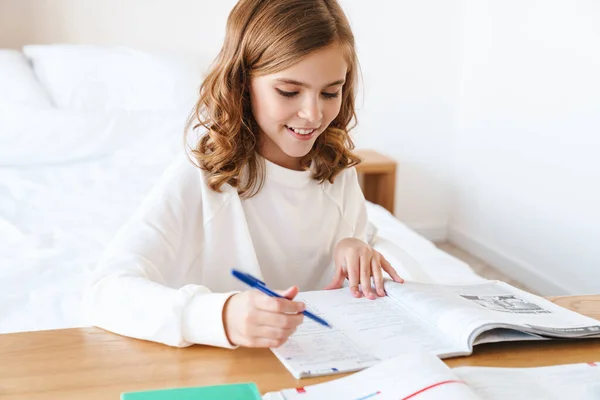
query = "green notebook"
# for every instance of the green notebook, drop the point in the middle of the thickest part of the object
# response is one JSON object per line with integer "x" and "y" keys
{"x": 238, "y": 391}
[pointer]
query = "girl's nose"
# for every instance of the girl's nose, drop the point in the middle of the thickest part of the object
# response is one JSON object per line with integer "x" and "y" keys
{"x": 311, "y": 111}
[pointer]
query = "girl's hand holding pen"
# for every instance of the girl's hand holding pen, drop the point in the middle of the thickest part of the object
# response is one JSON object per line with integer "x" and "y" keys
{"x": 254, "y": 319}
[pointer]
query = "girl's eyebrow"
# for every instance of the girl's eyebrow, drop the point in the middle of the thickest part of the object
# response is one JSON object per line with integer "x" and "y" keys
{"x": 294, "y": 82}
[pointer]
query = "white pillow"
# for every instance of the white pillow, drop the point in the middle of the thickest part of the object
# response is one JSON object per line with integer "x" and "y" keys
{"x": 49, "y": 136}
{"x": 18, "y": 84}
{"x": 85, "y": 77}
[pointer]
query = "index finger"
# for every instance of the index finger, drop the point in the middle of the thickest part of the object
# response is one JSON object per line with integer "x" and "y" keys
{"x": 278, "y": 305}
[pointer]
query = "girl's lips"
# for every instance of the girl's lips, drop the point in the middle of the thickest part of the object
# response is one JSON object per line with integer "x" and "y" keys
{"x": 301, "y": 136}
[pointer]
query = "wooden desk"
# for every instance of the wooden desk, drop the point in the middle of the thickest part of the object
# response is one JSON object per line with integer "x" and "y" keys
{"x": 378, "y": 175}
{"x": 76, "y": 364}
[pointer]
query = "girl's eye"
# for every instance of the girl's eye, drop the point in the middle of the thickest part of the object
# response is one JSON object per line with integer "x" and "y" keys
{"x": 330, "y": 95}
{"x": 324, "y": 94}
{"x": 286, "y": 94}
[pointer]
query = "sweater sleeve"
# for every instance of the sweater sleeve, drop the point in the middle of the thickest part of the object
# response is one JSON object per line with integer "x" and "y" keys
{"x": 130, "y": 292}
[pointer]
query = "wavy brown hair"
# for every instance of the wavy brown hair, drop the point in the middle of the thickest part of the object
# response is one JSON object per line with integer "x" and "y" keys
{"x": 264, "y": 37}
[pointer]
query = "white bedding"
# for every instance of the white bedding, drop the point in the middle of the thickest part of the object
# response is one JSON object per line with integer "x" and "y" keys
{"x": 56, "y": 219}
{"x": 70, "y": 177}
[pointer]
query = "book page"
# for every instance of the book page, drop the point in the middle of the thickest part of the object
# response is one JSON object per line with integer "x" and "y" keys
{"x": 505, "y": 335}
{"x": 419, "y": 375}
{"x": 453, "y": 316}
{"x": 315, "y": 350}
{"x": 462, "y": 310}
{"x": 507, "y": 305}
{"x": 574, "y": 381}
{"x": 364, "y": 332}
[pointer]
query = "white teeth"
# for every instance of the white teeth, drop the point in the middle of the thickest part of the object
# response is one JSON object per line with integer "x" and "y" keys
{"x": 302, "y": 131}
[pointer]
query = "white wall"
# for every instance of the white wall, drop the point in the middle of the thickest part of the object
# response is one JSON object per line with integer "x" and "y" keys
{"x": 407, "y": 51}
{"x": 527, "y": 149}
{"x": 409, "y": 55}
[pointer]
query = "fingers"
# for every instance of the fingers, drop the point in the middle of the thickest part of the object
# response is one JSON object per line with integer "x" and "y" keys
{"x": 338, "y": 279}
{"x": 274, "y": 336}
{"x": 279, "y": 321}
{"x": 278, "y": 305}
{"x": 387, "y": 267}
{"x": 365, "y": 275}
{"x": 261, "y": 342}
{"x": 267, "y": 329}
{"x": 254, "y": 319}
{"x": 353, "y": 264}
{"x": 377, "y": 276}
{"x": 265, "y": 342}
{"x": 289, "y": 293}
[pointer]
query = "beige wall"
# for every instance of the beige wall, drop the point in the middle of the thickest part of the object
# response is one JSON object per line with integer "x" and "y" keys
{"x": 189, "y": 28}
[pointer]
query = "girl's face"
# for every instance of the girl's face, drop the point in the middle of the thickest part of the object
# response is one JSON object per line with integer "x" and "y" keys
{"x": 294, "y": 106}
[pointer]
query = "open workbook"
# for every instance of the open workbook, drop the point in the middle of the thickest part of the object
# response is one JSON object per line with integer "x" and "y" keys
{"x": 445, "y": 320}
{"x": 422, "y": 376}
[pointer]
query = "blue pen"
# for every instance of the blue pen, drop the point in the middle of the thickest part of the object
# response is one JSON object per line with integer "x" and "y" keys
{"x": 260, "y": 285}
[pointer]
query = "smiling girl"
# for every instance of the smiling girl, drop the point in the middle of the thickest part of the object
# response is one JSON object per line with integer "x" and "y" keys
{"x": 269, "y": 189}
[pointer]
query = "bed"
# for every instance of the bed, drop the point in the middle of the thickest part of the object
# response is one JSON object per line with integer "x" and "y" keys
{"x": 83, "y": 137}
